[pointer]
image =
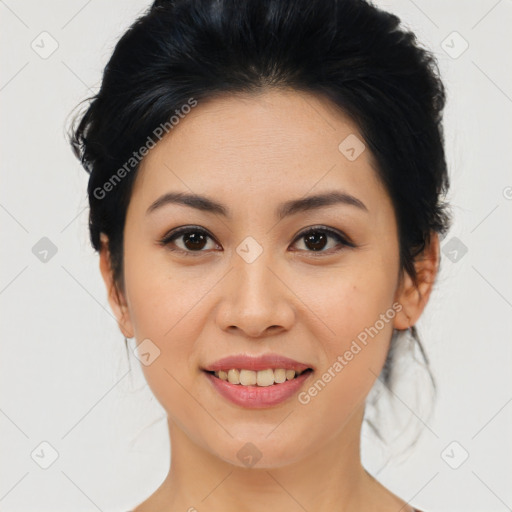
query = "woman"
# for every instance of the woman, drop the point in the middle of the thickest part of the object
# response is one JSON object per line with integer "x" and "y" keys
{"x": 266, "y": 196}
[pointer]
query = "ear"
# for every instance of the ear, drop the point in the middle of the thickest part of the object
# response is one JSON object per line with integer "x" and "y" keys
{"x": 116, "y": 297}
{"x": 414, "y": 298}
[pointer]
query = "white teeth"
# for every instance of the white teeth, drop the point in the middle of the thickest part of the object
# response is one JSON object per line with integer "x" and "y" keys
{"x": 265, "y": 378}
{"x": 279, "y": 376}
{"x": 252, "y": 378}
{"x": 247, "y": 377}
{"x": 233, "y": 376}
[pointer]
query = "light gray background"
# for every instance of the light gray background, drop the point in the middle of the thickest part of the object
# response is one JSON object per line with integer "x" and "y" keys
{"x": 65, "y": 379}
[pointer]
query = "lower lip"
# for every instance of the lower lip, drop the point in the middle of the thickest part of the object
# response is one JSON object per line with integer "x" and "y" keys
{"x": 258, "y": 397}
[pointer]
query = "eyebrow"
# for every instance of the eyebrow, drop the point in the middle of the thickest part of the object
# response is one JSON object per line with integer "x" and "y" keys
{"x": 285, "y": 209}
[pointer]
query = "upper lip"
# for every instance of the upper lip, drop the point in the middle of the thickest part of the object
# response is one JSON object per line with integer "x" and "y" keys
{"x": 256, "y": 363}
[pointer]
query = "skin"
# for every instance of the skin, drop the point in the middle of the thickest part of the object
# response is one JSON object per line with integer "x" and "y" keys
{"x": 252, "y": 153}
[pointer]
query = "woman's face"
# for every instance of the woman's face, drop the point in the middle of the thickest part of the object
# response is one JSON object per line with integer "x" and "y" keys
{"x": 253, "y": 285}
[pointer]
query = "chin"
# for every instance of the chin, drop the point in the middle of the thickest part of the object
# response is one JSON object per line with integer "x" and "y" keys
{"x": 259, "y": 451}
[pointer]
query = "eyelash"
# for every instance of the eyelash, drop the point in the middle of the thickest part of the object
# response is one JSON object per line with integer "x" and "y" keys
{"x": 173, "y": 235}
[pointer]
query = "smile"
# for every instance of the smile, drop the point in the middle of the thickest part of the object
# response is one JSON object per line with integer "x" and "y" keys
{"x": 261, "y": 378}
{"x": 252, "y": 394}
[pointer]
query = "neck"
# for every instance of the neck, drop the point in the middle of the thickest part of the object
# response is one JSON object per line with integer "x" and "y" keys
{"x": 331, "y": 477}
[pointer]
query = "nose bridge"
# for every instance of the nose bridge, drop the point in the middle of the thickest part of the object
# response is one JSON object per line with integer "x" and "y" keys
{"x": 256, "y": 299}
{"x": 253, "y": 273}
{"x": 253, "y": 280}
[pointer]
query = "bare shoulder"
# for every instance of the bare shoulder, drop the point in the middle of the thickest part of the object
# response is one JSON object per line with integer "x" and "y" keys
{"x": 387, "y": 501}
{"x": 383, "y": 500}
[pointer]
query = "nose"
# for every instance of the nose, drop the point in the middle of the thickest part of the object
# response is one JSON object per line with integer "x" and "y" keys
{"x": 256, "y": 300}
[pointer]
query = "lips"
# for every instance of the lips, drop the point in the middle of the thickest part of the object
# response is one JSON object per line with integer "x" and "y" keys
{"x": 258, "y": 397}
{"x": 254, "y": 395}
{"x": 257, "y": 363}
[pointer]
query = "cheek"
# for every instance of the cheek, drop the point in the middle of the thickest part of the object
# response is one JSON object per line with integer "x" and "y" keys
{"x": 358, "y": 309}
{"x": 354, "y": 299}
{"x": 164, "y": 309}
{"x": 160, "y": 298}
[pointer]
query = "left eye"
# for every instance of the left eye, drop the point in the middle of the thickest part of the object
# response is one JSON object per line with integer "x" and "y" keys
{"x": 316, "y": 238}
{"x": 194, "y": 239}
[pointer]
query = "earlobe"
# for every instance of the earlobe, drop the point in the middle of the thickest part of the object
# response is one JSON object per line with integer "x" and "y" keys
{"x": 116, "y": 299}
{"x": 414, "y": 297}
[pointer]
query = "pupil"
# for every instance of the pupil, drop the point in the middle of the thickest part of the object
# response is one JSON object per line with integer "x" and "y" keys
{"x": 313, "y": 239}
{"x": 194, "y": 238}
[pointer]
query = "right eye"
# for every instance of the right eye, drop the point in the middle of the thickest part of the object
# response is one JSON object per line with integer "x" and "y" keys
{"x": 193, "y": 240}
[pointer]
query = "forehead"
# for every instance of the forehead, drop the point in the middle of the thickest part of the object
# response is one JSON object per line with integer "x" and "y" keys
{"x": 253, "y": 148}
